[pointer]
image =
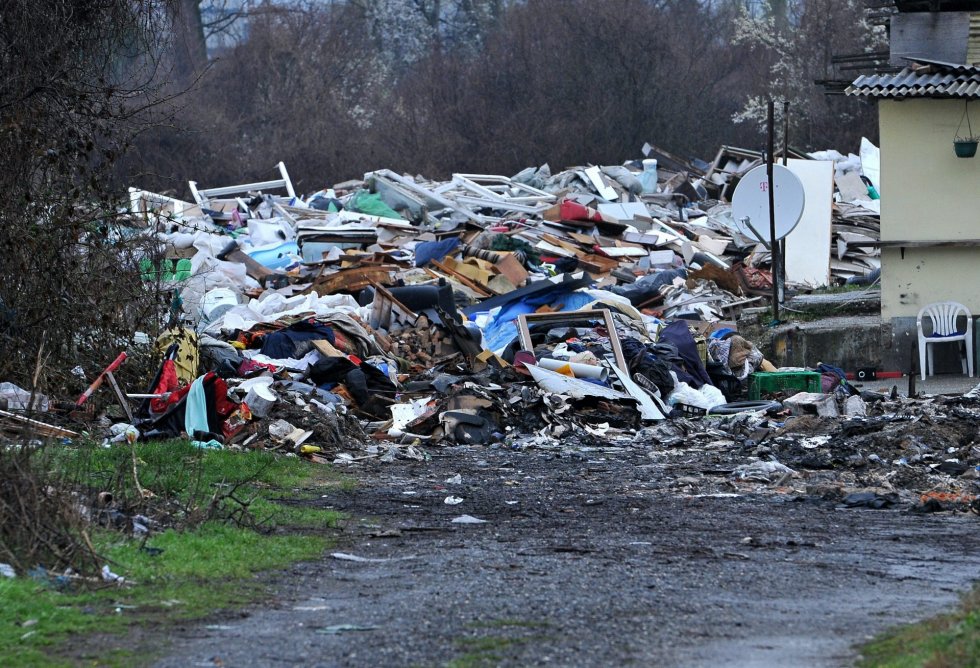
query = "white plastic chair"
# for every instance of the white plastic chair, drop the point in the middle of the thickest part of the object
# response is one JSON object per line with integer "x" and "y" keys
{"x": 942, "y": 317}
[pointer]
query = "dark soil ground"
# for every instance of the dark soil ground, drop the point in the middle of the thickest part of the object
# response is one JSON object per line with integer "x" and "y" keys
{"x": 592, "y": 559}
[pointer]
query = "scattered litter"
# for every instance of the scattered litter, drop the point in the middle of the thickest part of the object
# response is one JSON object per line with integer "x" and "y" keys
{"x": 345, "y": 628}
{"x": 343, "y": 556}
{"x": 393, "y": 318}
{"x": 763, "y": 471}
{"x": 391, "y": 314}
{"x": 870, "y": 500}
{"x": 815, "y": 441}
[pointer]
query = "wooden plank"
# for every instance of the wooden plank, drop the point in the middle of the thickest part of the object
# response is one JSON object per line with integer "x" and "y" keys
{"x": 385, "y": 305}
{"x": 42, "y": 428}
{"x": 472, "y": 285}
{"x": 552, "y": 249}
{"x": 585, "y": 239}
{"x": 120, "y": 396}
{"x": 561, "y": 243}
{"x": 510, "y": 266}
{"x": 352, "y": 280}
{"x": 923, "y": 243}
{"x": 597, "y": 263}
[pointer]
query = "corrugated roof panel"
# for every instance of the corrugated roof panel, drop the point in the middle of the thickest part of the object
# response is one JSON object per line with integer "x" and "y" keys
{"x": 942, "y": 80}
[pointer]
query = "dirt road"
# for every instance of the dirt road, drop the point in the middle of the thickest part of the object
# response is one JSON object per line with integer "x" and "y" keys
{"x": 586, "y": 560}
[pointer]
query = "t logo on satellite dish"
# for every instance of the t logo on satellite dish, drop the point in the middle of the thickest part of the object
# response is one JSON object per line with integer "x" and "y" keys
{"x": 750, "y": 202}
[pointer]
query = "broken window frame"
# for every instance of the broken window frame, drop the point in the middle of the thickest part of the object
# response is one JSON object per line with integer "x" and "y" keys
{"x": 488, "y": 191}
{"x": 203, "y": 195}
{"x": 605, "y": 314}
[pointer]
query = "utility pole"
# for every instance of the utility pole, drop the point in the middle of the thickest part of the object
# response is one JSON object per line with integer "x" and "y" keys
{"x": 782, "y": 242}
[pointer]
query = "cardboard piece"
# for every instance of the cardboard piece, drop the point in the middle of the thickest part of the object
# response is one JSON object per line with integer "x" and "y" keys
{"x": 511, "y": 267}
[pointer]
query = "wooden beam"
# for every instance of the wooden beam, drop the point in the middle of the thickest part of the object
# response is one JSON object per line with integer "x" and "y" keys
{"x": 42, "y": 428}
{"x": 920, "y": 243}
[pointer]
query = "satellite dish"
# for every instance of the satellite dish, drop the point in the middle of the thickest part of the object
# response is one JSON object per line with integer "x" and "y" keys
{"x": 751, "y": 201}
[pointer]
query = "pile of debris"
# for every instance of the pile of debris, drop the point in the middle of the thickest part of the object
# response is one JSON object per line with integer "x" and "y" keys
{"x": 592, "y": 306}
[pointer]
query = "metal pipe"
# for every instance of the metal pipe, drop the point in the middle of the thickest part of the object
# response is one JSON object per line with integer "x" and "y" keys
{"x": 785, "y": 132}
{"x": 772, "y": 212}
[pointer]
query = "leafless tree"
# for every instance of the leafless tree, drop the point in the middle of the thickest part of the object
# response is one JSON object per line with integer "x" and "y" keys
{"x": 70, "y": 98}
{"x": 434, "y": 86}
{"x": 789, "y": 57}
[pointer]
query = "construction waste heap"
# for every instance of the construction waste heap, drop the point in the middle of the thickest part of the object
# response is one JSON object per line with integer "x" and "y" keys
{"x": 586, "y": 310}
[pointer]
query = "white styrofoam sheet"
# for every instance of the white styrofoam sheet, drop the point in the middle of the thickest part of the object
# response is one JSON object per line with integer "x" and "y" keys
{"x": 808, "y": 245}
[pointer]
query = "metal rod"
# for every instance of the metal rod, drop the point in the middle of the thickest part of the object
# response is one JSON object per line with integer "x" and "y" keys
{"x": 782, "y": 242}
{"x": 758, "y": 235}
{"x": 785, "y": 132}
{"x": 772, "y": 212}
{"x": 774, "y": 247}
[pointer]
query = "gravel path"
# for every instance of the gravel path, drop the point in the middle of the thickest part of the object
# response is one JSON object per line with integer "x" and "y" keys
{"x": 588, "y": 561}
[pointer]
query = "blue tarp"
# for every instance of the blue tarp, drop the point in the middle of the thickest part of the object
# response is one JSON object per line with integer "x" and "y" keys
{"x": 503, "y": 328}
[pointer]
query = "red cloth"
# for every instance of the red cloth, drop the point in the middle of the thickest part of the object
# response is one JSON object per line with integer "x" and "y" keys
{"x": 251, "y": 366}
{"x": 574, "y": 211}
{"x": 168, "y": 383}
{"x": 223, "y": 406}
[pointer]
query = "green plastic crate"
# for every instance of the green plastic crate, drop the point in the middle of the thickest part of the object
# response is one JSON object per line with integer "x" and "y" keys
{"x": 775, "y": 381}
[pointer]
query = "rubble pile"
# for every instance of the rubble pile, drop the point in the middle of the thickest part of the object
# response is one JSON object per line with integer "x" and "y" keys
{"x": 921, "y": 453}
{"x": 590, "y": 309}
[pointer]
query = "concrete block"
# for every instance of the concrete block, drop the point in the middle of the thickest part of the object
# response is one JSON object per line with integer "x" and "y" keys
{"x": 812, "y": 403}
{"x": 855, "y": 407}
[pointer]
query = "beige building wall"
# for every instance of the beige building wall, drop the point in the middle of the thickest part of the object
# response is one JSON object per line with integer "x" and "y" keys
{"x": 928, "y": 194}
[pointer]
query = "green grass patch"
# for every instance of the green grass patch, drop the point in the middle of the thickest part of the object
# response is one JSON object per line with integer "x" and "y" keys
{"x": 176, "y": 468}
{"x": 484, "y": 651}
{"x": 947, "y": 641}
{"x": 838, "y": 289}
{"x": 489, "y": 650}
{"x": 176, "y": 575}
